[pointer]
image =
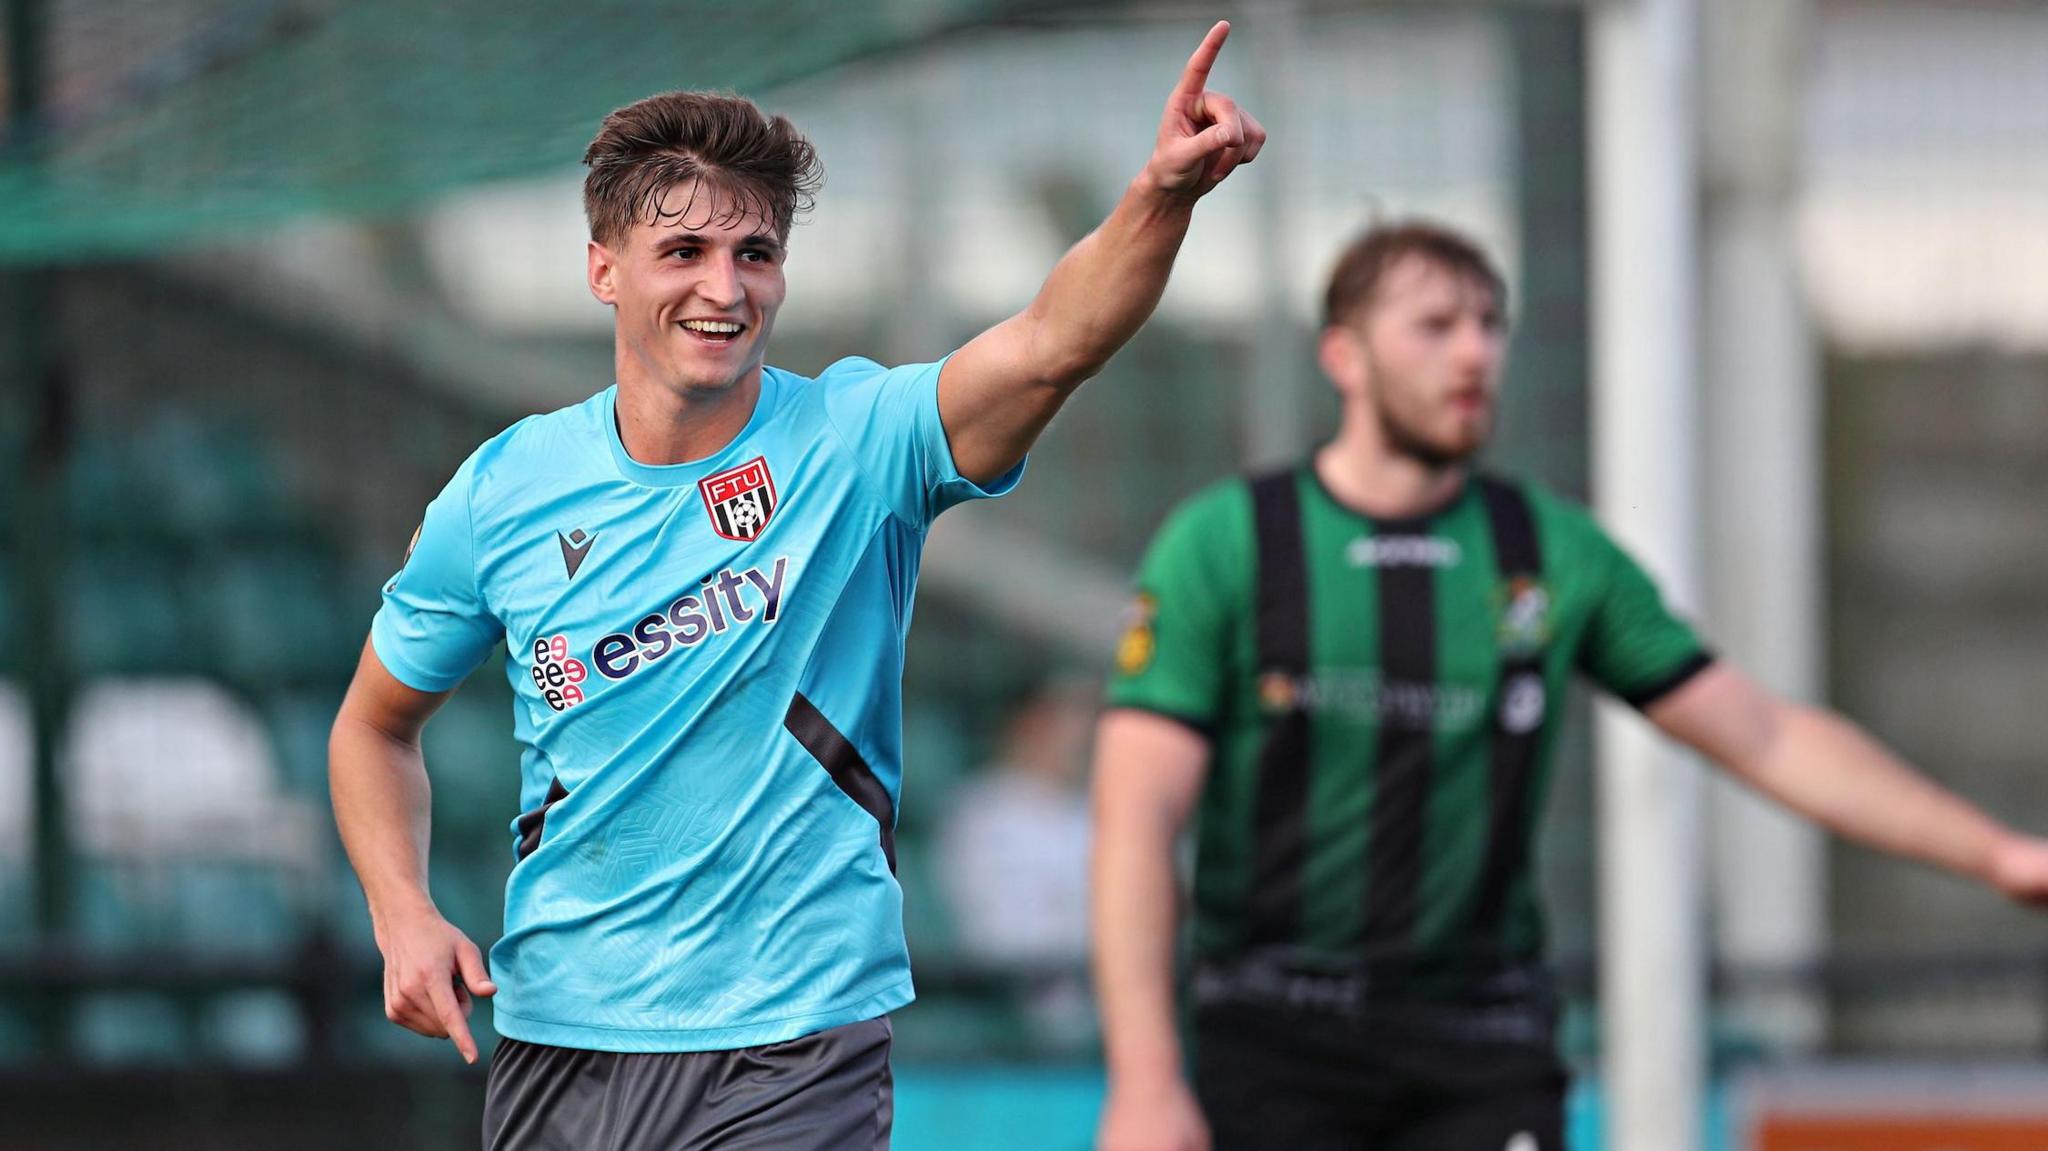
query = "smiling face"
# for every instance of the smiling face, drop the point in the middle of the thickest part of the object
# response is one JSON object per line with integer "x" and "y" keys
{"x": 1424, "y": 357}
{"x": 696, "y": 287}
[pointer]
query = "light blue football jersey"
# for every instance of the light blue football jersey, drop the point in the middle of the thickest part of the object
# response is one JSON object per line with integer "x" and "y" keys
{"x": 708, "y": 663}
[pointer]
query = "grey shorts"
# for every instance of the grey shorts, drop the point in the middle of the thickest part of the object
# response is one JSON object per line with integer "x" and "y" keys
{"x": 829, "y": 1091}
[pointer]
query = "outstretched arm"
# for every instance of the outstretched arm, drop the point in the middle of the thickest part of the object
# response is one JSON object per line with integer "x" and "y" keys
{"x": 1827, "y": 769}
{"x": 998, "y": 393}
{"x": 379, "y": 785}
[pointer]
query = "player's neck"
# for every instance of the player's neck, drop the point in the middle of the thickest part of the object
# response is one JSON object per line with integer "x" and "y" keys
{"x": 1365, "y": 475}
{"x": 660, "y": 427}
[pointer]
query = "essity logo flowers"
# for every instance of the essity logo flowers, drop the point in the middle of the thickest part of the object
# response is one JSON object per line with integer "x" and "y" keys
{"x": 557, "y": 674}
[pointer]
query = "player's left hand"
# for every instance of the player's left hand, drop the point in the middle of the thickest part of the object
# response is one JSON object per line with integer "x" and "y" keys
{"x": 2019, "y": 870}
{"x": 1204, "y": 135}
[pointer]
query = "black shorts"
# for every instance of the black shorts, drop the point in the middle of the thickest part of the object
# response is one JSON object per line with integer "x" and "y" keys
{"x": 830, "y": 1091}
{"x": 1399, "y": 1078}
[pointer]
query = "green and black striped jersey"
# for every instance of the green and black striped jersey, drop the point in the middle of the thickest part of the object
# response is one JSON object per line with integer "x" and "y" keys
{"x": 1382, "y": 700}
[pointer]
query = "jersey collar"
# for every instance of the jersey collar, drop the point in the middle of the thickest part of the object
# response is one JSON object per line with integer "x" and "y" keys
{"x": 1383, "y": 525}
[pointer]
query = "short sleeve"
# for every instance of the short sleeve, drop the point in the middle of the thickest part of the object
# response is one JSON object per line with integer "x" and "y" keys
{"x": 433, "y": 628}
{"x": 1174, "y": 656}
{"x": 1635, "y": 646}
{"x": 890, "y": 419}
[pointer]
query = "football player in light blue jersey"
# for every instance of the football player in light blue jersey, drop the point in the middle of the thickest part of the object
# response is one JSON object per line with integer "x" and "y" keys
{"x": 703, "y": 576}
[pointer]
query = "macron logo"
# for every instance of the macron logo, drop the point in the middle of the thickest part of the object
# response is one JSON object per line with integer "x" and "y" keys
{"x": 575, "y": 546}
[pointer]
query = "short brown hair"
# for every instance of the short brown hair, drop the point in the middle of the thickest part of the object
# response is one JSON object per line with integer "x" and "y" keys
{"x": 1365, "y": 264}
{"x": 665, "y": 141}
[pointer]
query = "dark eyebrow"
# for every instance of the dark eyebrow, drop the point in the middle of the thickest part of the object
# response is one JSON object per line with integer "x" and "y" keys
{"x": 757, "y": 240}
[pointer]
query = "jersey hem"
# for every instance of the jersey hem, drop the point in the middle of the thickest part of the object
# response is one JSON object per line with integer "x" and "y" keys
{"x": 403, "y": 669}
{"x": 995, "y": 489}
{"x": 639, "y": 1041}
{"x": 1645, "y": 698}
{"x": 1202, "y": 727}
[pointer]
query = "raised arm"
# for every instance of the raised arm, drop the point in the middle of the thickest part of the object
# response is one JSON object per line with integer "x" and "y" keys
{"x": 997, "y": 393}
{"x": 381, "y": 800}
{"x": 1827, "y": 769}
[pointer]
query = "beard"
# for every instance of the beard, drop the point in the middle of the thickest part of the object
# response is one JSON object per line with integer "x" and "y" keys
{"x": 1408, "y": 437}
{"x": 1406, "y": 431}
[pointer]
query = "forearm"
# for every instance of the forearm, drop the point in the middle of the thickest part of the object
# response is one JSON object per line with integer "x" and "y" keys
{"x": 1105, "y": 288}
{"x": 1828, "y": 769}
{"x": 1136, "y": 897}
{"x": 382, "y": 801}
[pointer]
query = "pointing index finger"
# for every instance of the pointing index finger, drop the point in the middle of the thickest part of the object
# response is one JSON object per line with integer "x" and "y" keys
{"x": 449, "y": 1012}
{"x": 1196, "y": 75}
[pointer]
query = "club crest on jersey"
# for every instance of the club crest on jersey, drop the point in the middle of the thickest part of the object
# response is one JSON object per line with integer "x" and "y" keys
{"x": 740, "y": 500}
{"x": 1523, "y": 703}
{"x": 1135, "y": 650}
{"x": 1524, "y": 617}
{"x": 1280, "y": 693}
{"x": 393, "y": 585}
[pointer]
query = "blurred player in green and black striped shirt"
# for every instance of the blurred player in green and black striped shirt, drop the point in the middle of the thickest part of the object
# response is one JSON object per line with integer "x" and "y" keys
{"x": 1349, "y": 674}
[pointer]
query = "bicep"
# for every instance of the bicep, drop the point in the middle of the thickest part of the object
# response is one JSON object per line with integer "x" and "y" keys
{"x": 1721, "y": 713}
{"x": 381, "y": 702}
{"x": 989, "y": 403}
{"x": 1147, "y": 767}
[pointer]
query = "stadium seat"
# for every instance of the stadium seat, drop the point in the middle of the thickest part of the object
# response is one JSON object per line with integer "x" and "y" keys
{"x": 127, "y": 614}
{"x": 299, "y": 720}
{"x": 474, "y": 761}
{"x": 129, "y": 1029}
{"x": 254, "y": 1029}
{"x": 185, "y": 837}
{"x": 243, "y": 908}
{"x": 17, "y": 1039}
{"x": 275, "y": 615}
{"x": 206, "y": 481}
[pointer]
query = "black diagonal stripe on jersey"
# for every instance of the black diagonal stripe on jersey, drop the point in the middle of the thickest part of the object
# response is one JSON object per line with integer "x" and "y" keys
{"x": 845, "y": 764}
{"x": 1280, "y": 822}
{"x": 532, "y": 822}
{"x": 1519, "y": 555}
{"x": 1404, "y": 764}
